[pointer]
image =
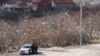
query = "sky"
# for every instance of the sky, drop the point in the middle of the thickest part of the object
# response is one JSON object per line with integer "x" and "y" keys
{"x": 88, "y": 0}
{"x": 93, "y": 2}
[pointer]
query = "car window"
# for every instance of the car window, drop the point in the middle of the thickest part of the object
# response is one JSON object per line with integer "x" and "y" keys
{"x": 26, "y": 46}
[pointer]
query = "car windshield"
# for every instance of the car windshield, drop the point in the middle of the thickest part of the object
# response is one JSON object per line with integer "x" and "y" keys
{"x": 26, "y": 46}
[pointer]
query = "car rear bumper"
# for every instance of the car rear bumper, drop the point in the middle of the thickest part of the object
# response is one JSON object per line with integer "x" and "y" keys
{"x": 24, "y": 52}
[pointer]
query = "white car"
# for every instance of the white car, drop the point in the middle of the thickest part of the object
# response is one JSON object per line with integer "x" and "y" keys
{"x": 26, "y": 49}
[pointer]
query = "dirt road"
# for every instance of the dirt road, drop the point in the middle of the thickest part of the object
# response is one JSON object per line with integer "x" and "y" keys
{"x": 87, "y": 50}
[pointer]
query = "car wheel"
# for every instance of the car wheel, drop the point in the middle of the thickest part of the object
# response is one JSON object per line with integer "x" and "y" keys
{"x": 21, "y": 54}
{"x": 30, "y": 51}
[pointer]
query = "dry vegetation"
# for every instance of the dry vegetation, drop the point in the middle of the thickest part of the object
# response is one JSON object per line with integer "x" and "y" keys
{"x": 51, "y": 30}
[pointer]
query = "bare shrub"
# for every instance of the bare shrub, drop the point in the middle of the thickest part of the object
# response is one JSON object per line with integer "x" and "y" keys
{"x": 51, "y": 30}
